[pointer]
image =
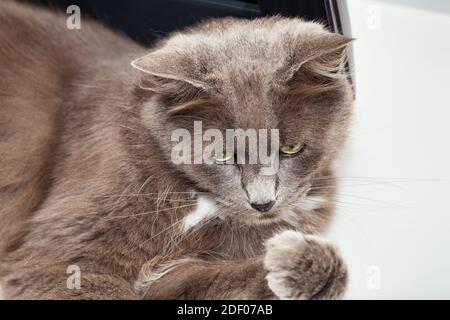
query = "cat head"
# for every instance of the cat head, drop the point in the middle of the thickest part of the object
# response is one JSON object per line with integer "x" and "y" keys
{"x": 280, "y": 74}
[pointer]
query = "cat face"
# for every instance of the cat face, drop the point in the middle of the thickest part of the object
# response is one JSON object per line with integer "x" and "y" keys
{"x": 278, "y": 74}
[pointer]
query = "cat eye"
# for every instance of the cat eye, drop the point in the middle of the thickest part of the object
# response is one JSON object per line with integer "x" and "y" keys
{"x": 291, "y": 149}
{"x": 222, "y": 158}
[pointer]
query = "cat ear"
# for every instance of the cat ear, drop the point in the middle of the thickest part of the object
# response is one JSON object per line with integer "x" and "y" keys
{"x": 323, "y": 55}
{"x": 167, "y": 66}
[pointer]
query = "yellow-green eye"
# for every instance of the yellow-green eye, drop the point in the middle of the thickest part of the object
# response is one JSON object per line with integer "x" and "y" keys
{"x": 224, "y": 157}
{"x": 291, "y": 149}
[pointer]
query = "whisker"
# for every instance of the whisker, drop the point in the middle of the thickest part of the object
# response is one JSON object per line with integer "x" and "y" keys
{"x": 144, "y": 194}
{"x": 162, "y": 231}
{"x": 145, "y": 183}
{"x": 149, "y": 212}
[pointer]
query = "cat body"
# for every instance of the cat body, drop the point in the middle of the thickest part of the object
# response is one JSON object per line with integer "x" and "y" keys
{"x": 86, "y": 179}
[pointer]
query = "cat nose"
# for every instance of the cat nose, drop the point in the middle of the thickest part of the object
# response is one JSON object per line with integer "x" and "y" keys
{"x": 263, "y": 207}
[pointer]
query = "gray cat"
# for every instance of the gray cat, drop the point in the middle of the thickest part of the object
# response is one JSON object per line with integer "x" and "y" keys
{"x": 86, "y": 177}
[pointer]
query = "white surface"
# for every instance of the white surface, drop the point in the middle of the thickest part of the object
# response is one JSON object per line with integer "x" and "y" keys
{"x": 393, "y": 220}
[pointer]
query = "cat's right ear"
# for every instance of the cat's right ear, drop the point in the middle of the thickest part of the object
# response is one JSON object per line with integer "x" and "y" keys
{"x": 166, "y": 69}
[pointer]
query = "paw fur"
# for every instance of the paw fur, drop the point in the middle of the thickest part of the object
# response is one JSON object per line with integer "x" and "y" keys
{"x": 303, "y": 266}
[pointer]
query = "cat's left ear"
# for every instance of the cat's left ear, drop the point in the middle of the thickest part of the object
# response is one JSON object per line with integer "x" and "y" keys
{"x": 323, "y": 54}
{"x": 169, "y": 65}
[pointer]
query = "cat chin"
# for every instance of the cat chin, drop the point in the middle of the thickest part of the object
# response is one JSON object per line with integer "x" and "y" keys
{"x": 258, "y": 219}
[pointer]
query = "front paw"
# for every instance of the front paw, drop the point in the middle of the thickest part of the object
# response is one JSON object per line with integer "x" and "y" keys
{"x": 304, "y": 267}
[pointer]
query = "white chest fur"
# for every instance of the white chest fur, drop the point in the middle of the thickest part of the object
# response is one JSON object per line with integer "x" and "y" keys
{"x": 205, "y": 209}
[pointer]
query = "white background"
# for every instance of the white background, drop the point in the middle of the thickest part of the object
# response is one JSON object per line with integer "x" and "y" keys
{"x": 393, "y": 219}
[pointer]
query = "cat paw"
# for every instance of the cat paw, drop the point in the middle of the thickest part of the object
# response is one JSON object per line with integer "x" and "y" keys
{"x": 304, "y": 267}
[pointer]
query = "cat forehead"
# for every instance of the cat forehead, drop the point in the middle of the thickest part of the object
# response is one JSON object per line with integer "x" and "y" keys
{"x": 228, "y": 40}
{"x": 262, "y": 29}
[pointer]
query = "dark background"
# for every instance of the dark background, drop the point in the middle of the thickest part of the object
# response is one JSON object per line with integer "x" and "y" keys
{"x": 147, "y": 20}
